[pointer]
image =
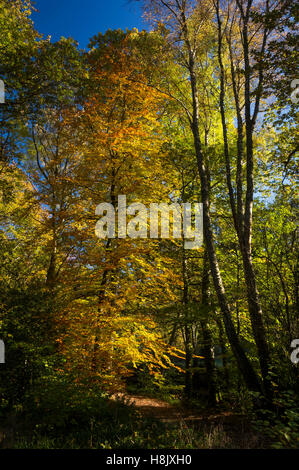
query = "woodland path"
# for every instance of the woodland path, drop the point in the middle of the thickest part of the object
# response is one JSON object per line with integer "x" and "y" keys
{"x": 234, "y": 428}
{"x": 160, "y": 409}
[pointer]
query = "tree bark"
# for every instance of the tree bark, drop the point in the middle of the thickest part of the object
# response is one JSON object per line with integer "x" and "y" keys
{"x": 223, "y": 350}
{"x": 187, "y": 332}
{"x": 243, "y": 223}
{"x": 208, "y": 351}
{"x": 245, "y": 366}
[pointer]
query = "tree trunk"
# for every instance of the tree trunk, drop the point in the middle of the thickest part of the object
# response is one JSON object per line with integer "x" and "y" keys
{"x": 254, "y": 304}
{"x": 187, "y": 331}
{"x": 223, "y": 350}
{"x": 243, "y": 223}
{"x": 244, "y": 364}
{"x": 208, "y": 351}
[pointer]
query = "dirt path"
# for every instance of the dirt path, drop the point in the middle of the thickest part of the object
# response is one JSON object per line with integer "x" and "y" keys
{"x": 233, "y": 428}
{"x": 163, "y": 411}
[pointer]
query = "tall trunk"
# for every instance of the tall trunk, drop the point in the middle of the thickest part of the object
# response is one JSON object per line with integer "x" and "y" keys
{"x": 243, "y": 224}
{"x": 223, "y": 350}
{"x": 256, "y": 319}
{"x": 208, "y": 352}
{"x": 187, "y": 332}
{"x": 188, "y": 362}
{"x": 51, "y": 273}
{"x": 244, "y": 364}
{"x": 254, "y": 304}
{"x": 102, "y": 290}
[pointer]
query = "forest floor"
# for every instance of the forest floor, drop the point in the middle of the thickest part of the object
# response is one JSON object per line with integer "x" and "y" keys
{"x": 156, "y": 423}
{"x": 164, "y": 411}
{"x": 234, "y": 429}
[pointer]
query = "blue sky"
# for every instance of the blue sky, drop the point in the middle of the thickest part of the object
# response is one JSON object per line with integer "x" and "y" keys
{"x": 82, "y": 19}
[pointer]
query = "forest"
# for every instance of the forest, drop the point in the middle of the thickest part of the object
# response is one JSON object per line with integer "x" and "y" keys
{"x": 120, "y": 333}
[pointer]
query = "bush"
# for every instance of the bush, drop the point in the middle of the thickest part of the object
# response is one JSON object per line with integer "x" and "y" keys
{"x": 281, "y": 425}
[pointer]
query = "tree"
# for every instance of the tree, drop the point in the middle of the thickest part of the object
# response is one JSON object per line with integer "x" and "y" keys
{"x": 120, "y": 153}
{"x": 185, "y": 19}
